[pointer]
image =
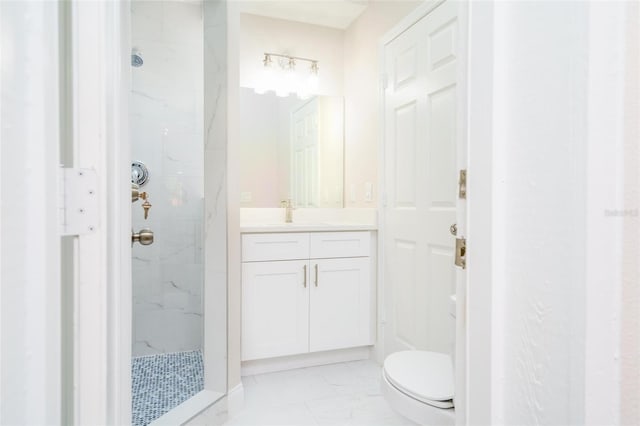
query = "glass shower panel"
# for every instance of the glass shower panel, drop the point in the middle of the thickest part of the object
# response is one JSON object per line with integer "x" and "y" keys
{"x": 166, "y": 128}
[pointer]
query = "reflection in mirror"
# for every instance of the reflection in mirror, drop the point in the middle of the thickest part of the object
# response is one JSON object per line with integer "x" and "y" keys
{"x": 291, "y": 148}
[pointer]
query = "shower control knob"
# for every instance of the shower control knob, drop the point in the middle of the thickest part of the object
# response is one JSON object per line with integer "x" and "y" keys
{"x": 135, "y": 192}
{"x": 144, "y": 237}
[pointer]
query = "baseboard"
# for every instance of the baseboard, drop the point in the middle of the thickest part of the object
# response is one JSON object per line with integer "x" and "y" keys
{"x": 270, "y": 365}
{"x": 193, "y": 407}
{"x": 235, "y": 400}
{"x": 214, "y": 415}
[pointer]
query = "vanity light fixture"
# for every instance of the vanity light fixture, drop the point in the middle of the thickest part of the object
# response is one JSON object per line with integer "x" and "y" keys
{"x": 288, "y": 78}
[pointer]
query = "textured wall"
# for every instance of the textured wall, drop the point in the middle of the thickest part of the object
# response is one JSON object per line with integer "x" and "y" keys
{"x": 541, "y": 80}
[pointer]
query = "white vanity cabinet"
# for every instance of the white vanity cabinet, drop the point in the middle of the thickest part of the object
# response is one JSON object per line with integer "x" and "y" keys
{"x": 339, "y": 305}
{"x": 275, "y": 309}
{"x": 306, "y": 292}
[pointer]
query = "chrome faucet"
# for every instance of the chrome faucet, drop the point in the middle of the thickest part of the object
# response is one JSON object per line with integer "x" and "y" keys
{"x": 288, "y": 210}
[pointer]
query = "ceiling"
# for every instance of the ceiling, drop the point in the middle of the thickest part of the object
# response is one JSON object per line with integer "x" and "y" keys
{"x": 328, "y": 13}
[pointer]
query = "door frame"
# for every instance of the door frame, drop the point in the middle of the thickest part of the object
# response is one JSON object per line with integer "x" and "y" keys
{"x": 99, "y": 34}
{"x": 474, "y": 380}
{"x": 64, "y": 374}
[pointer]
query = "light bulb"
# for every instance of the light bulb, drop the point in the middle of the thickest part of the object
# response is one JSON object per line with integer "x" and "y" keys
{"x": 312, "y": 83}
{"x": 288, "y": 81}
{"x": 266, "y": 77}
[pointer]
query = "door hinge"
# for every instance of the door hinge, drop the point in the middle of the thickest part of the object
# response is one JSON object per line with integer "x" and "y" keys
{"x": 384, "y": 81}
{"x": 462, "y": 185}
{"x": 78, "y": 200}
{"x": 461, "y": 253}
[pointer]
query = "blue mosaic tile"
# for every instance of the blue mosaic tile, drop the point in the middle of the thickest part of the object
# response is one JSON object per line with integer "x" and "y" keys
{"x": 162, "y": 382}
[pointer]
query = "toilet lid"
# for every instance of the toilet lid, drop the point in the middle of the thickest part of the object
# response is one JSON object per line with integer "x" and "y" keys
{"x": 425, "y": 376}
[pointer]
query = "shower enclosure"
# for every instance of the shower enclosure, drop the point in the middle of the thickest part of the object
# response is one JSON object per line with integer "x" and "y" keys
{"x": 172, "y": 359}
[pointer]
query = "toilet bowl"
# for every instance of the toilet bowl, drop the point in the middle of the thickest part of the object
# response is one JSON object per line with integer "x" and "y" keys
{"x": 420, "y": 385}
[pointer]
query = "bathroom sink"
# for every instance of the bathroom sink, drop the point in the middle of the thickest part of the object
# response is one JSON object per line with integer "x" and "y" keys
{"x": 284, "y": 226}
{"x": 298, "y": 226}
{"x": 294, "y": 224}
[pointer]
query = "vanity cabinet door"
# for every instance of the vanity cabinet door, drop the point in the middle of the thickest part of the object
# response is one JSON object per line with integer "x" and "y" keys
{"x": 275, "y": 309}
{"x": 341, "y": 303}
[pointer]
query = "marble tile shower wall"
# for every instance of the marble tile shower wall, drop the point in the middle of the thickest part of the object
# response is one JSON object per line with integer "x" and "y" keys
{"x": 166, "y": 121}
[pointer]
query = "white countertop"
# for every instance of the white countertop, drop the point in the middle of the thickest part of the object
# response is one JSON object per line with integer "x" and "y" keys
{"x": 253, "y": 228}
{"x": 263, "y": 220}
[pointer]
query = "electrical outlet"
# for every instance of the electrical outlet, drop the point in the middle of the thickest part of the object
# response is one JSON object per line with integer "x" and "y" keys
{"x": 245, "y": 197}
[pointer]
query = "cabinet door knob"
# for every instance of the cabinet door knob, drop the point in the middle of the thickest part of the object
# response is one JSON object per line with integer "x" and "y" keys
{"x": 305, "y": 275}
{"x": 316, "y": 268}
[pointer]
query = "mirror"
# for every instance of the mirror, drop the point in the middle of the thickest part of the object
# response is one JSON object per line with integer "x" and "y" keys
{"x": 291, "y": 148}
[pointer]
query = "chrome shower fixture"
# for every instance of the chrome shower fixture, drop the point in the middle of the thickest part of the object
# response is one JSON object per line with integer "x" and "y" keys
{"x": 136, "y": 58}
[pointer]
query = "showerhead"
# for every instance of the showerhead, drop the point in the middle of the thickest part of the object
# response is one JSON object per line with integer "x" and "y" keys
{"x": 136, "y": 58}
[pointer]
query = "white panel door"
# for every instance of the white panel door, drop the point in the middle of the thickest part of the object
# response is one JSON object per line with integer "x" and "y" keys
{"x": 275, "y": 309}
{"x": 304, "y": 170}
{"x": 340, "y": 307}
{"x": 420, "y": 182}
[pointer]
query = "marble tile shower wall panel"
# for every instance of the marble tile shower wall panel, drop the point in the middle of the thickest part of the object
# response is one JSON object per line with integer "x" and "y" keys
{"x": 215, "y": 155}
{"x": 167, "y": 134}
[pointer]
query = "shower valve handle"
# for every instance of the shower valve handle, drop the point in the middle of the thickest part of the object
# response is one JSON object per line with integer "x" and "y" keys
{"x": 135, "y": 192}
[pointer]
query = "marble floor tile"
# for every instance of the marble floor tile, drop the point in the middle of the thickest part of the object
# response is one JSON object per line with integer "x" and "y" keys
{"x": 336, "y": 394}
{"x": 287, "y": 389}
{"x": 283, "y": 415}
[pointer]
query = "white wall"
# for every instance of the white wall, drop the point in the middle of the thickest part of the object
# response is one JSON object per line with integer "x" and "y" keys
{"x": 362, "y": 96}
{"x": 260, "y": 34}
{"x": 167, "y": 135}
{"x": 630, "y": 294}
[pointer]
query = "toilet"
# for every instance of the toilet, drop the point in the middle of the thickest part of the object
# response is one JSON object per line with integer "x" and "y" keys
{"x": 420, "y": 385}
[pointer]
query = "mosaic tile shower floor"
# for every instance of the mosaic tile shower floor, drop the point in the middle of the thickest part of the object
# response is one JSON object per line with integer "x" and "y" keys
{"x": 162, "y": 382}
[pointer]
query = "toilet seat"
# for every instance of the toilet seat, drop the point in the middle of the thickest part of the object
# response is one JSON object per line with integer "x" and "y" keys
{"x": 424, "y": 376}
